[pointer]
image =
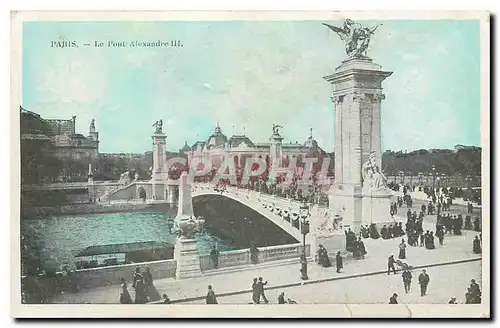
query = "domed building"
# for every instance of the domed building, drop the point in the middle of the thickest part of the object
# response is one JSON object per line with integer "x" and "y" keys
{"x": 240, "y": 147}
{"x": 217, "y": 139}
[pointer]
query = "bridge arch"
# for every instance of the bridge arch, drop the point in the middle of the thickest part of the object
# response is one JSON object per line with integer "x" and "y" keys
{"x": 253, "y": 204}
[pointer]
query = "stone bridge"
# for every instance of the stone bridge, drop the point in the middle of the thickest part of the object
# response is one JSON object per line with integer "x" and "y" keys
{"x": 282, "y": 212}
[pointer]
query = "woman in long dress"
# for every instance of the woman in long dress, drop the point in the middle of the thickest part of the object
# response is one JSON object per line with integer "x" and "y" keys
{"x": 124, "y": 294}
{"x": 323, "y": 259}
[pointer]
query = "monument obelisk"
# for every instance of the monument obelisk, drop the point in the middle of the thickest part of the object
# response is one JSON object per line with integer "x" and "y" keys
{"x": 359, "y": 193}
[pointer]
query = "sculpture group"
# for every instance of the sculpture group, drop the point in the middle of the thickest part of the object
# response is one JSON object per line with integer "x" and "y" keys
{"x": 355, "y": 37}
{"x": 373, "y": 179}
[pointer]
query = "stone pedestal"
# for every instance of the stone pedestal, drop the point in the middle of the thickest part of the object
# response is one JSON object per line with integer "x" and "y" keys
{"x": 346, "y": 201}
{"x": 186, "y": 252}
{"x": 376, "y": 208}
{"x": 333, "y": 243}
{"x": 357, "y": 95}
{"x": 188, "y": 260}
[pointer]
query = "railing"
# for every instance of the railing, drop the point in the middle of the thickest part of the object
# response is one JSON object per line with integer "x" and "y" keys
{"x": 266, "y": 254}
{"x": 109, "y": 275}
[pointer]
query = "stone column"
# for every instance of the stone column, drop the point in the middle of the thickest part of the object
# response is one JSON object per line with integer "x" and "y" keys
{"x": 157, "y": 179}
{"x": 357, "y": 133}
{"x": 337, "y": 100}
{"x": 377, "y": 129}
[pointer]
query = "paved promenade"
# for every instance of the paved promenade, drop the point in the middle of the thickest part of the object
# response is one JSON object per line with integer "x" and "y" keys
{"x": 282, "y": 275}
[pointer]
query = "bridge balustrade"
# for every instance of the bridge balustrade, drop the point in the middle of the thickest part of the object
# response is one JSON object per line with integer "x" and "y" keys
{"x": 266, "y": 254}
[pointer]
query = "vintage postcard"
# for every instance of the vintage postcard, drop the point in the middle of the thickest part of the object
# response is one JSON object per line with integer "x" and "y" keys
{"x": 250, "y": 164}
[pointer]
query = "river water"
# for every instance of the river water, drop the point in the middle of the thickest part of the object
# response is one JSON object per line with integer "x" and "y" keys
{"x": 59, "y": 238}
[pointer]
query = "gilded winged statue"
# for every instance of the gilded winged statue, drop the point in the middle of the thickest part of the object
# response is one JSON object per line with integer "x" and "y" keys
{"x": 355, "y": 37}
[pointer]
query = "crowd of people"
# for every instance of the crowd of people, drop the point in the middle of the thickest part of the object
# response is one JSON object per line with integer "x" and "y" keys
{"x": 355, "y": 245}
{"x": 143, "y": 285}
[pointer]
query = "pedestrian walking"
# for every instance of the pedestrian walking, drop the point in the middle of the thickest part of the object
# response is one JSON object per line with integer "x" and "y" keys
{"x": 211, "y": 298}
{"x": 402, "y": 250}
{"x": 407, "y": 279}
{"x": 148, "y": 281}
{"x": 124, "y": 294}
{"x": 338, "y": 261}
{"x": 423, "y": 280}
{"x": 476, "y": 246}
{"x": 390, "y": 264}
{"x": 393, "y": 299}
{"x": 281, "y": 298}
{"x": 255, "y": 292}
{"x": 140, "y": 291}
{"x": 260, "y": 286}
{"x": 137, "y": 275}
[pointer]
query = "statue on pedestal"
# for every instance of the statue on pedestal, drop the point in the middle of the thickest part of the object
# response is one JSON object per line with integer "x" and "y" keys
{"x": 355, "y": 37}
{"x": 186, "y": 227}
{"x": 158, "y": 125}
{"x": 327, "y": 223}
{"x": 373, "y": 179}
{"x": 276, "y": 128}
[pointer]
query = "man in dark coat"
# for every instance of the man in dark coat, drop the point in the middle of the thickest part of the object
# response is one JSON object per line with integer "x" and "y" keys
{"x": 440, "y": 234}
{"x": 373, "y": 231}
{"x": 476, "y": 224}
{"x": 140, "y": 291}
{"x": 281, "y": 298}
{"x": 137, "y": 275}
{"x": 393, "y": 299}
{"x": 423, "y": 280}
{"x": 384, "y": 232}
{"x": 214, "y": 256}
{"x": 255, "y": 292}
{"x": 407, "y": 279}
{"x": 390, "y": 264}
{"x": 476, "y": 246}
{"x": 338, "y": 261}
{"x": 260, "y": 287}
{"x": 475, "y": 292}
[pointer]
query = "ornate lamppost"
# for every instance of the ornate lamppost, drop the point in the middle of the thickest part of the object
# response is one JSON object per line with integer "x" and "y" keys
{"x": 443, "y": 180}
{"x": 433, "y": 173}
{"x": 420, "y": 175}
{"x": 402, "y": 175}
{"x": 304, "y": 215}
{"x": 468, "y": 181}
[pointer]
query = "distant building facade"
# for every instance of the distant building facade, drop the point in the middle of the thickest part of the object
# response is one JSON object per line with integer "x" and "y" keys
{"x": 65, "y": 142}
{"x": 218, "y": 147}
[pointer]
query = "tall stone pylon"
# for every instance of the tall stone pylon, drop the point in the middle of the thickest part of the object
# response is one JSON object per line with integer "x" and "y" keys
{"x": 186, "y": 251}
{"x": 157, "y": 176}
{"x": 357, "y": 95}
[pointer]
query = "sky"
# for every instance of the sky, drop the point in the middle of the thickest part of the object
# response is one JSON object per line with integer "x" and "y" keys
{"x": 247, "y": 76}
